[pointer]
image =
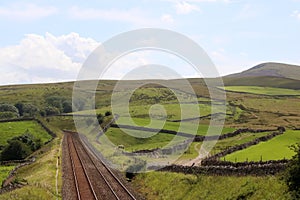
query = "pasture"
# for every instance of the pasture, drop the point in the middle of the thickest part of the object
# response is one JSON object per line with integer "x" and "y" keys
{"x": 271, "y": 91}
{"x": 13, "y": 129}
{"x": 274, "y": 149}
{"x": 167, "y": 185}
{"x": 4, "y": 171}
{"x": 186, "y": 127}
{"x": 118, "y": 137}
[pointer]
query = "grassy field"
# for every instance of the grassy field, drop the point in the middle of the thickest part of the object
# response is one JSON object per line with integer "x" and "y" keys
{"x": 274, "y": 149}
{"x": 4, "y": 171}
{"x": 190, "y": 153}
{"x": 164, "y": 185}
{"x": 12, "y": 129}
{"x": 236, "y": 140}
{"x": 187, "y": 127}
{"x": 118, "y": 137}
{"x": 61, "y": 122}
{"x": 263, "y": 90}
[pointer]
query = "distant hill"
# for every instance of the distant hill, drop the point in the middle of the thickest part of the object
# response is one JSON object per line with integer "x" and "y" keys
{"x": 267, "y": 75}
{"x": 271, "y": 69}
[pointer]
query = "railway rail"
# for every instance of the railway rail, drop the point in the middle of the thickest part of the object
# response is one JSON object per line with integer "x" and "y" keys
{"x": 92, "y": 178}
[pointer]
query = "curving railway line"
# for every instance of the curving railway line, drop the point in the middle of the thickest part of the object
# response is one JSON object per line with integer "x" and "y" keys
{"x": 92, "y": 178}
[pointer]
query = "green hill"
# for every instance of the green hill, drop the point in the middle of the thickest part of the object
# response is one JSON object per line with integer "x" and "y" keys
{"x": 263, "y": 81}
{"x": 271, "y": 69}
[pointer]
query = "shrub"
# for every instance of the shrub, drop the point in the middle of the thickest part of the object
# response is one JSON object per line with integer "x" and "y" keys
{"x": 15, "y": 150}
{"x": 292, "y": 176}
{"x": 100, "y": 118}
{"x": 107, "y": 113}
{"x": 8, "y": 111}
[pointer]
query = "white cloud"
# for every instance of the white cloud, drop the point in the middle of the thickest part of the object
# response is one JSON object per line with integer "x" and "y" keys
{"x": 22, "y": 12}
{"x": 167, "y": 18}
{"x": 185, "y": 8}
{"x": 44, "y": 58}
{"x": 296, "y": 14}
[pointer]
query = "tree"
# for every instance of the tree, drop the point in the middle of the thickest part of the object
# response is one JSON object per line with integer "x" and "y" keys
{"x": 67, "y": 106}
{"x": 100, "y": 118}
{"x": 20, "y": 147}
{"x": 15, "y": 150}
{"x": 50, "y": 110}
{"x": 19, "y": 106}
{"x": 5, "y": 107}
{"x": 30, "y": 110}
{"x": 8, "y": 111}
{"x": 292, "y": 176}
{"x": 107, "y": 113}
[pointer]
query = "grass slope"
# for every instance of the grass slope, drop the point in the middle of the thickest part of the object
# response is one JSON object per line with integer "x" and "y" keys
{"x": 263, "y": 81}
{"x": 118, "y": 137}
{"x": 164, "y": 185}
{"x": 274, "y": 149}
{"x": 12, "y": 129}
{"x": 272, "y": 69}
{"x": 263, "y": 90}
{"x": 186, "y": 127}
{"x": 4, "y": 171}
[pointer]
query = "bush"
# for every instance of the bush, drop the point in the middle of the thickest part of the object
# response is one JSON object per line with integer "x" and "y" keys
{"x": 49, "y": 110}
{"x": 15, "y": 150}
{"x": 107, "y": 113}
{"x": 67, "y": 106}
{"x": 20, "y": 147}
{"x": 8, "y": 111}
{"x": 8, "y": 115}
{"x": 100, "y": 118}
{"x": 292, "y": 176}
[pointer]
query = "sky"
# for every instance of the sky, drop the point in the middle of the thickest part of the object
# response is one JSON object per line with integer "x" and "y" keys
{"x": 48, "y": 41}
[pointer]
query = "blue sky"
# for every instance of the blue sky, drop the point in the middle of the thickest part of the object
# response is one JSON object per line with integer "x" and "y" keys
{"x": 47, "y": 41}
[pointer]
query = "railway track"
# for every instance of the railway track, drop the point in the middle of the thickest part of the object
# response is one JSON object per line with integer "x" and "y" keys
{"x": 92, "y": 178}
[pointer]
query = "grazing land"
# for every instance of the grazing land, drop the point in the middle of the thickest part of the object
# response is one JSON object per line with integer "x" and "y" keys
{"x": 274, "y": 149}
{"x": 263, "y": 90}
{"x": 166, "y": 185}
{"x": 4, "y": 171}
{"x": 13, "y": 129}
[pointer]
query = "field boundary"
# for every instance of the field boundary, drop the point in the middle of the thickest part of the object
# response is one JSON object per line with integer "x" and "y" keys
{"x": 254, "y": 169}
{"x": 197, "y": 138}
{"x": 48, "y": 130}
{"x": 235, "y": 148}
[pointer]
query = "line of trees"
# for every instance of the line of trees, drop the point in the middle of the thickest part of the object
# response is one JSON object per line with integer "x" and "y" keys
{"x": 53, "y": 105}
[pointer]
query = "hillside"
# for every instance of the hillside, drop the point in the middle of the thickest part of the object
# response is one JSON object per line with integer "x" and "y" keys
{"x": 271, "y": 69}
{"x": 267, "y": 75}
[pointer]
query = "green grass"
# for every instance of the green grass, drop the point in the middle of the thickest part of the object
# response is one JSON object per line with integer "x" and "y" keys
{"x": 242, "y": 138}
{"x": 118, "y": 137}
{"x": 186, "y": 127}
{"x": 12, "y": 129}
{"x": 4, "y": 172}
{"x": 61, "y": 122}
{"x": 274, "y": 149}
{"x": 39, "y": 177}
{"x": 165, "y": 185}
{"x": 190, "y": 153}
{"x": 263, "y": 90}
